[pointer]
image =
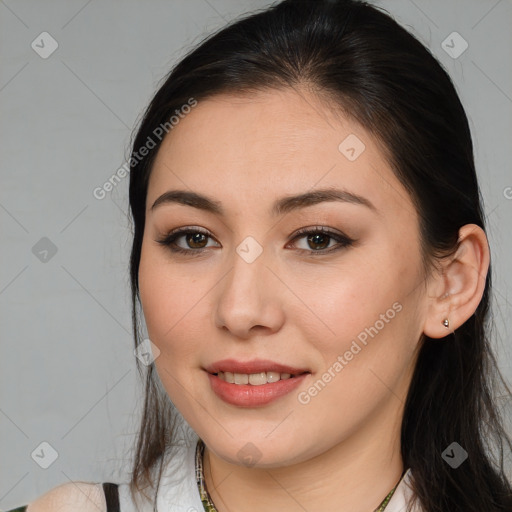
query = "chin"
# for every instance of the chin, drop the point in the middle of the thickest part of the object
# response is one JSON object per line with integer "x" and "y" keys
{"x": 259, "y": 451}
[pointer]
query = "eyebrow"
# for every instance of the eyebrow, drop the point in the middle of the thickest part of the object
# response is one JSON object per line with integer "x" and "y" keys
{"x": 280, "y": 207}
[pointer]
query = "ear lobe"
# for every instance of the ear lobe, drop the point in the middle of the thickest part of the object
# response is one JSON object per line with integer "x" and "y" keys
{"x": 456, "y": 292}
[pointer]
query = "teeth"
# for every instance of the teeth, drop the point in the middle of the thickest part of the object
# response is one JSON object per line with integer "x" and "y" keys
{"x": 273, "y": 376}
{"x": 241, "y": 378}
{"x": 255, "y": 379}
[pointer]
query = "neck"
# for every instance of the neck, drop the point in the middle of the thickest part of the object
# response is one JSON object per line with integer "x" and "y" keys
{"x": 354, "y": 475}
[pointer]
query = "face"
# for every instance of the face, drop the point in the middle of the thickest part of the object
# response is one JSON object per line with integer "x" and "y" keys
{"x": 329, "y": 289}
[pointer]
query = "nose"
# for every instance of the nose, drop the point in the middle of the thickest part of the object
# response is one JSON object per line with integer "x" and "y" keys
{"x": 249, "y": 298}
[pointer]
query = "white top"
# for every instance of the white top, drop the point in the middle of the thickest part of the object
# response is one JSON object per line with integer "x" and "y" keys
{"x": 178, "y": 491}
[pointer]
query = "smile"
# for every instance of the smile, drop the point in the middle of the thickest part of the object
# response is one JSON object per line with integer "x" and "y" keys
{"x": 254, "y": 379}
{"x": 242, "y": 393}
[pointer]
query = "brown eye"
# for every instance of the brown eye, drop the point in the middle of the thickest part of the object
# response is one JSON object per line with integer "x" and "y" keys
{"x": 319, "y": 238}
{"x": 196, "y": 240}
{"x": 318, "y": 241}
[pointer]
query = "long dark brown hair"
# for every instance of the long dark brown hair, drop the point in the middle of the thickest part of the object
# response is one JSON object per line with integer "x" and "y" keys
{"x": 358, "y": 58}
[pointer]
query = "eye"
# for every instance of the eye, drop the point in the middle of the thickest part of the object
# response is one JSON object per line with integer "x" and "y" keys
{"x": 319, "y": 238}
{"x": 196, "y": 238}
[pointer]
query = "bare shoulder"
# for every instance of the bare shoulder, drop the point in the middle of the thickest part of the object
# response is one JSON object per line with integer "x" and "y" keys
{"x": 71, "y": 496}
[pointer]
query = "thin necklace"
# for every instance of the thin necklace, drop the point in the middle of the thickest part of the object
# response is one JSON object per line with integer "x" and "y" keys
{"x": 207, "y": 501}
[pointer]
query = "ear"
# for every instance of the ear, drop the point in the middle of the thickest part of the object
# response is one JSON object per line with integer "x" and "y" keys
{"x": 455, "y": 292}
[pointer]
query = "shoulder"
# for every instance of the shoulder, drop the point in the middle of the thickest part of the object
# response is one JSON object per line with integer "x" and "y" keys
{"x": 71, "y": 496}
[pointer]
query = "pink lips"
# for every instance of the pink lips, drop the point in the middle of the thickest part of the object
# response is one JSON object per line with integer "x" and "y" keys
{"x": 254, "y": 366}
{"x": 247, "y": 395}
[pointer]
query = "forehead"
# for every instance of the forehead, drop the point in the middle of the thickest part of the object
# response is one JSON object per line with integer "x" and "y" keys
{"x": 269, "y": 144}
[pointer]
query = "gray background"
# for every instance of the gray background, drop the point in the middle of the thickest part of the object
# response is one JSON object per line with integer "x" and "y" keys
{"x": 67, "y": 367}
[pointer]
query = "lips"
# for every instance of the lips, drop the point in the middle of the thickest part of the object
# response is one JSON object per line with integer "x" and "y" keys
{"x": 254, "y": 366}
{"x": 249, "y": 395}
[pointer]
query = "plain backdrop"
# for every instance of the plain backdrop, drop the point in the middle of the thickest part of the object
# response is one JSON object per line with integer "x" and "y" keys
{"x": 67, "y": 368}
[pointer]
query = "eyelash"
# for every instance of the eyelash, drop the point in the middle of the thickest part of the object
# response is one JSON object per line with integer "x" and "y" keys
{"x": 343, "y": 240}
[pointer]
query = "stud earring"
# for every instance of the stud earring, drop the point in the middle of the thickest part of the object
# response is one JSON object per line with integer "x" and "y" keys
{"x": 446, "y": 323}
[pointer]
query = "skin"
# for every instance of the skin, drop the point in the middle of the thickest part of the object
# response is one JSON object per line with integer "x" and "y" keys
{"x": 340, "y": 451}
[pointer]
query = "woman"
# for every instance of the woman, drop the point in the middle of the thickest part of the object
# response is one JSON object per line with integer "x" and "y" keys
{"x": 311, "y": 260}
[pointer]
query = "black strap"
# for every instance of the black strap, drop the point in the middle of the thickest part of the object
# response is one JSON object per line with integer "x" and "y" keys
{"x": 111, "y": 496}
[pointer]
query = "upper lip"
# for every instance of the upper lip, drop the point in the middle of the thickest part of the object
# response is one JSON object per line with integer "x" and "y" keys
{"x": 253, "y": 366}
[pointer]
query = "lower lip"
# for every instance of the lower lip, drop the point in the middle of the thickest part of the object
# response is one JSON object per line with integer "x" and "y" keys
{"x": 247, "y": 395}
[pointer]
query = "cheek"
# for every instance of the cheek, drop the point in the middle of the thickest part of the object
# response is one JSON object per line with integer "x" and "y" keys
{"x": 368, "y": 312}
{"x": 366, "y": 357}
{"x": 171, "y": 304}
{"x": 170, "y": 298}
